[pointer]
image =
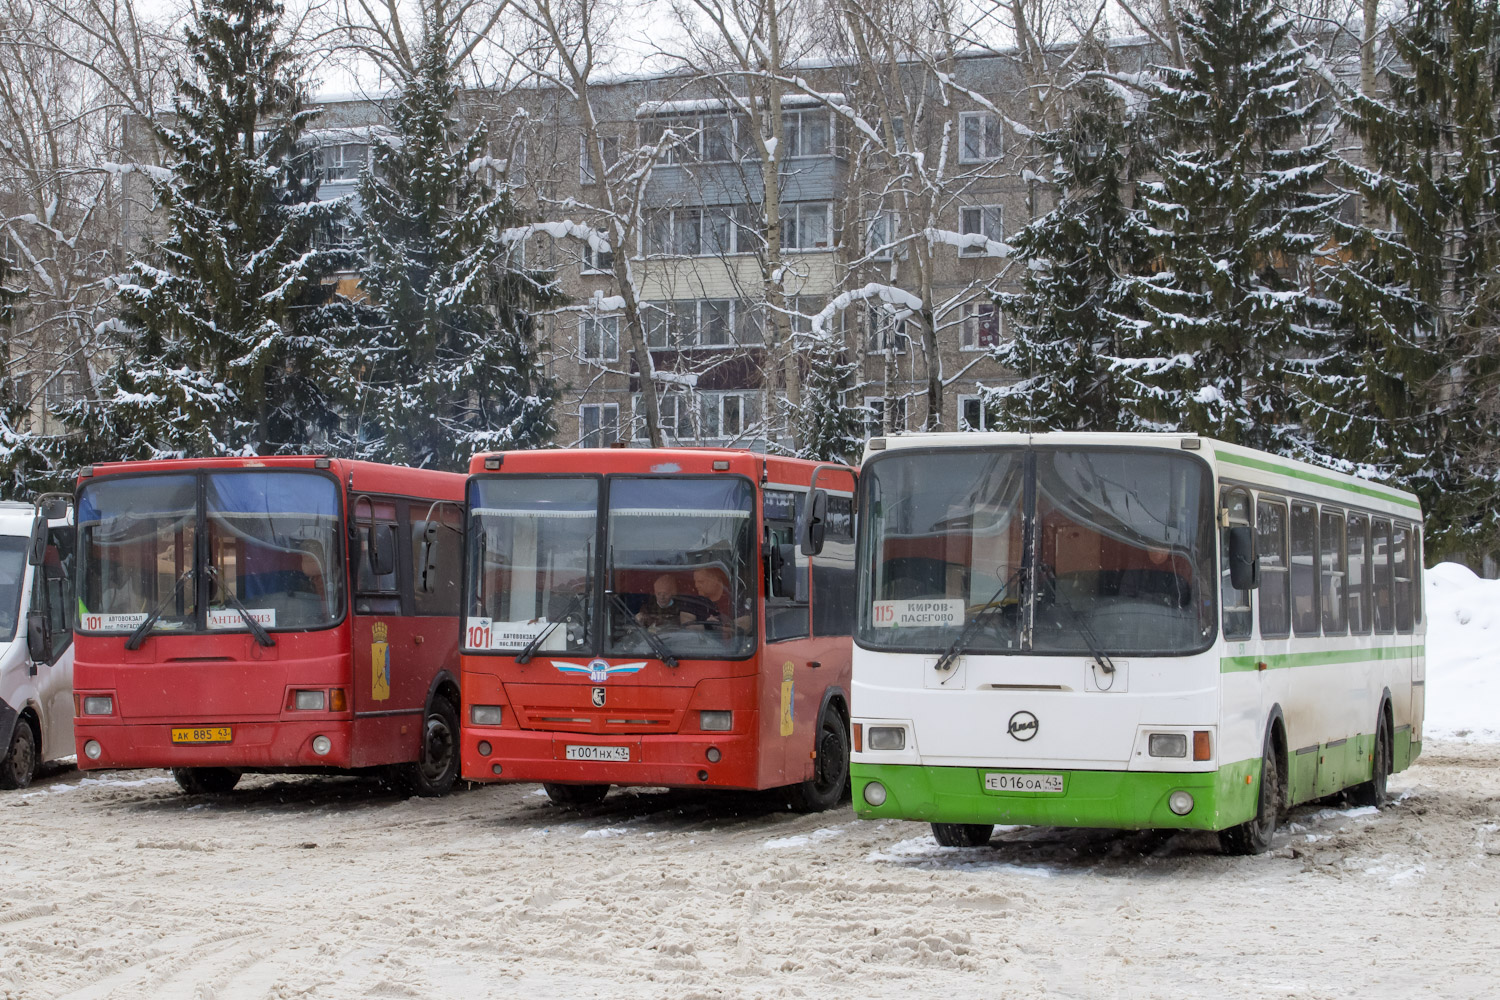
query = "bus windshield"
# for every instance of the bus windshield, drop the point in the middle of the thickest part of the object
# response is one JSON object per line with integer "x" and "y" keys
{"x": 12, "y": 575}
{"x": 192, "y": 549}
{"x": 1058, "y": 551}
{"x": 681, "y": 567}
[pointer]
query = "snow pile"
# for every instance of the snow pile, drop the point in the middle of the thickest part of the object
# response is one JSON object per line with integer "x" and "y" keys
{"x": 1463, "y": 654}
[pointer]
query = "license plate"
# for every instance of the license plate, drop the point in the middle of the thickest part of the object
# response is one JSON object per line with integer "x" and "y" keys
{"x": 598, "y": 753}
{"x": 1006, "y": 781}
{"x": 205, "y": 734}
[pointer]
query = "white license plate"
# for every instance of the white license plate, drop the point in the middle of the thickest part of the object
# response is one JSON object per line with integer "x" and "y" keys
{"x": 597, "y": 753}
{"x": 1005, "y": 781}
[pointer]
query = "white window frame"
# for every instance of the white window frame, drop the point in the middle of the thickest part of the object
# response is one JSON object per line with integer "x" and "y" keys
{"x": 597, "y": 321}
{"x": 611, "y": 144}
{"x": 981, "y": 120}
{"x": 885, "y": 249}
{"x": 340, "y": 174}
{"x": 984, "y": 216}
{"x": 884, "y": 332}
{"x": 601, "y": 409}
{"x": 984, "y": 413}
{"x": 875, "y": 415}
{"x": 968, "y": 328}
{"x": 798, "y": 209}
{"x": 747, "y": 398}
{"x": 592, "y": 260}
{"x": 796, "y": 153}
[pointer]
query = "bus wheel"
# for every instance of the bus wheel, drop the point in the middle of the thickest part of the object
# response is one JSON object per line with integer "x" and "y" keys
{"x": 19, "y": 765}
{"x": 206, "y": 780}
{"x": 1254, "y": 836}
{"x": 434, "y": 772}
{"x": 830, "y": 771}
{"x": 575, "y": 795}
{"x": 1373, "y": 792}
{"x": 962, "y": 834}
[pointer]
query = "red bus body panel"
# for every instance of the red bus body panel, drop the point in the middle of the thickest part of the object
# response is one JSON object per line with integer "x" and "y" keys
{"x": 654, "y": 712}
{"x": 180, "y": 681}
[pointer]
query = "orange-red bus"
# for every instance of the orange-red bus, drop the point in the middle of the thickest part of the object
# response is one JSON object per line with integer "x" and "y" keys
{"x": 674, "y": 617}
{"x": 223, "y": 628}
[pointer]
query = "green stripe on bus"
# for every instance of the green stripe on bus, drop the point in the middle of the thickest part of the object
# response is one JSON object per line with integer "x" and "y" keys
{"x": 1280, "y": 661}
{"x": 1389, "y": 496}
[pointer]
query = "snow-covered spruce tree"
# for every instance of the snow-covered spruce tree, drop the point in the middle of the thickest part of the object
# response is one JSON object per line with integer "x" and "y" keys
{"x": 21, "y": 460}
{"x": 224, "y": 321}
{"x": 451, "y": 367}
{"x": 830, "y": 421}
{"x": 1407, "y": 395}
{"x": 1074, "y": 298}
{"x": 1233, "y": 225}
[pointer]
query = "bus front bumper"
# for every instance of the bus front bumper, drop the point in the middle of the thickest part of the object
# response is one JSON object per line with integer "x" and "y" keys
{"x": 676, "y": 761}
{"x": 1119, "y": 800}
{"x": 252, "y": 746}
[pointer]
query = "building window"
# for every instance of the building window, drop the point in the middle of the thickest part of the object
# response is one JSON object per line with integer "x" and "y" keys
{"x": 596, "y": 261}
{"x": 701, "y": 323}
{"x": 728, "y": 416}
{"x": 981, "y": 327}
{"x": 806, "y": 225}
{"x": 979, "y": 137}
{"x": 610, "y": 146}
{"x": 886, "y": 332}
{"x": 803, "y": 308}
{"x": 973, "y": 415}
{"x": 981, "y": 220}
{"x": 880, "y": 236}
{"x": 806, "y": 133}
{"x": 696, "y": 138}
{"x": 675, "y": 410}
{"x": 345, "y": 161}
{"x": 515, "y": 164}
{"x": 875, "y": 410}
{"x": 599, "y": 338}
{"x": 700, "y": 232}
{"x": 598, "y": 425}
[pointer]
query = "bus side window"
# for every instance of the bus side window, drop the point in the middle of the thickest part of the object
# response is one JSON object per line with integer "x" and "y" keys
{"x": 786, "y": 568}
{"x": 1380, "y": 549}
{"x": 377, "y": 593}
{"x": 1237, "y": 611}
{"x": 1401, "y": 568}
{"x": 1304, "y": 569}
{"x": 1417, "y": 569}
{"x": 833, "y": 572}
{"x": 1358, "y": 561}
{"x": 1275, "y": 585}
{"x": 1334, "y": 564}
{"x": 440, "y": 596}
{"x": 52, "y": 588}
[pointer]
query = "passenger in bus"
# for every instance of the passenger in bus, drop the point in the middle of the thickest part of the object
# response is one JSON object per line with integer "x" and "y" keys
{"x": 664, "y": 609}
{"x": 720, "y": 612}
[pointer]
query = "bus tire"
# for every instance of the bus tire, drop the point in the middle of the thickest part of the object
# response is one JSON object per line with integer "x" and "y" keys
{"x": 206, "y": 780}
{"x": 1254, "y": 835}
{"x": 20, "y": 762}
{"x": 830, "y": 769}
{"x": 436, "y": 768}
{"x": 1373, "y": 792}
{"x": 963, "y": 834}
{"x": 575, "y": 796}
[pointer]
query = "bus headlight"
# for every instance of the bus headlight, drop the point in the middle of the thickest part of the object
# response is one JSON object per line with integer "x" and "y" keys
{"x": 321, "y": 745}
{"x": 875, "y": 793}
{"x": 1168, "y": 745}
{"x": 309, "y": 701}
{"x": 92, "y": 750}
{"x": 886, "y": 737}
{"x": 98, "y": 704}
{"x": 718, "y": 722}
{"x": 1180, "y": 802}
{"x": 486, "y": 715}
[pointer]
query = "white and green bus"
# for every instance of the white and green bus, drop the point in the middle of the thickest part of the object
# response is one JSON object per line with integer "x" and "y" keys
{"x": 1129, "y": 631}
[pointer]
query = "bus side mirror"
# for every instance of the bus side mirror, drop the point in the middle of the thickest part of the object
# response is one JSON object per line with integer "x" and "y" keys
{"x": 38, "y": 636}
{"x": 55, "y": 508}
{"x": 380, "y": 549}
{"x": 814, "y": 523}
{"x": 1244, "y": 568}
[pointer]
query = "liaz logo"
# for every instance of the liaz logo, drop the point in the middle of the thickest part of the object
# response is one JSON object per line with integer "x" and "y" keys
{"x": 1023, "y": 726}
{"x": 598, "y": 671}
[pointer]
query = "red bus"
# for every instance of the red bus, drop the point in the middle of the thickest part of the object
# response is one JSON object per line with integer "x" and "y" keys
{"x": 222, "y": 628}
{"x": 675, "y": 617}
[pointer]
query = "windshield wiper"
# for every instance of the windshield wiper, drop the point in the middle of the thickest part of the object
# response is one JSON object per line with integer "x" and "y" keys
{"x": 652, "y": 639}
{"x": 139, "y": 635}
{"x": 971, "y": 629}
{"x": 1090, "y": 640}
{"x": 256, "y": 628}
{"x": 529, "y": 650}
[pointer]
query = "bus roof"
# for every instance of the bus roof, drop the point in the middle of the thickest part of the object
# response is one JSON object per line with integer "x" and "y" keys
{"x": 646, "y": 461}
{"x": 1232, "y": 461}
{"x": 364, "y": 477}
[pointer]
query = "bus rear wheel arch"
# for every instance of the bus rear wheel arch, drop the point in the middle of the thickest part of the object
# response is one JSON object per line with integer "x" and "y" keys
{"x": 830, "y": 779}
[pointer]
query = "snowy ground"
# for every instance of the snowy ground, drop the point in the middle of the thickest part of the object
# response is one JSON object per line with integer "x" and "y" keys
{"x": 117, "y": 886}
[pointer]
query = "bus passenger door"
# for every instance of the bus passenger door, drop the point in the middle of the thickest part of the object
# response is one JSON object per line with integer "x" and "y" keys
{"x": 387, "y": 714}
